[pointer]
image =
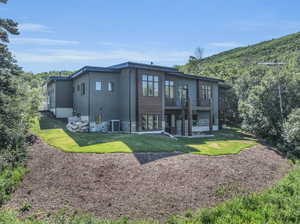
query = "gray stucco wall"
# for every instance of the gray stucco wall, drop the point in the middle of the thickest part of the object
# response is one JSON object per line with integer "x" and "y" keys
{"x": 64, "y": 94}
{"x": 120, "y": 104}
{"x": 80, "y": 103}
{"x": 127, "y": 88}
{"x": 104, "y": 102}
{"x": 51, "y": 95}
{"x": 215, "y": 103}
{"x": 192, "y": 85}
{"x": 111, "y": 105}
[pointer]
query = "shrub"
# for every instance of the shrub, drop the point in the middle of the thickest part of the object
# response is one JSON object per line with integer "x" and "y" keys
{"x": 291, "y": 133}
{"x": 9, "y": 179}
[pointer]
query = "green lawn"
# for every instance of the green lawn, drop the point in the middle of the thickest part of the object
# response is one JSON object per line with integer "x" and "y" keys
{"x": 53, "y": 132}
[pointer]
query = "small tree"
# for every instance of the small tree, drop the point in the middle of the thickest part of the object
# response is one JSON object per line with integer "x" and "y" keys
{"x": 291, "y": 133}
{"x": 194, "y": 61}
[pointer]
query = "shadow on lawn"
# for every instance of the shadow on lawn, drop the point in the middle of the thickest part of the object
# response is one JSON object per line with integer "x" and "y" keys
{"x": 144, "y": 147}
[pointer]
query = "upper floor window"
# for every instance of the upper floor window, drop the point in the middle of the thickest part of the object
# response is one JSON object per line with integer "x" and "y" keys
{"x": 150, "y": 85}
{"x": 169, "y": 89}
{"x": 98, "y": 85}
{"x": 183, "y": 93}
{"x": 78, "y": 87}
{"x": 110, "y": 86}
{"x": 82, "y": 89}
{"x": 205, "y": 92}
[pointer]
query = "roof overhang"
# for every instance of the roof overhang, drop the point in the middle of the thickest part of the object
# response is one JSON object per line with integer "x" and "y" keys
{"x": 144, "y": 66}
{"x": 181, "y": 74}
{"x": 118, "y": 67}
{"x": 92, "y": 69}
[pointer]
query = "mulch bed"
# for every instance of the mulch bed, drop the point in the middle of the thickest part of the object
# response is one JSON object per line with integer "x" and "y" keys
{"x": 142, "y": 185}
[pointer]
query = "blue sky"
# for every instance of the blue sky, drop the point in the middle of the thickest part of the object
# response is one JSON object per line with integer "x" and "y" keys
{"x": 66, "y": 35}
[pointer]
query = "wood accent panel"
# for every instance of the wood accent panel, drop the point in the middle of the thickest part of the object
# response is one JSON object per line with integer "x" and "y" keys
{"x": 201, "y": 101}
{"x": 149, "y": 104}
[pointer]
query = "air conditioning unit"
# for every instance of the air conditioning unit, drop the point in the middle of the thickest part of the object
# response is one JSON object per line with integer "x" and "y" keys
{"x": 114, "y": 126}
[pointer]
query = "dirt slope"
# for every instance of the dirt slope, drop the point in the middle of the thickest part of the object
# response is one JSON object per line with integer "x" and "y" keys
{"x": 142, "y": 185}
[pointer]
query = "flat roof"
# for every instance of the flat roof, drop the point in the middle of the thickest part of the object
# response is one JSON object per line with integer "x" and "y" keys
{"x": 130, "y": 64}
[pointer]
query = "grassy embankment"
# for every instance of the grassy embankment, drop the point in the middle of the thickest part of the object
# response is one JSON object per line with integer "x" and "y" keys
{"x": 54, "y": 133}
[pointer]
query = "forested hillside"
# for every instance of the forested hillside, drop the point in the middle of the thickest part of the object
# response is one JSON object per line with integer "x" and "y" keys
{"x": 264, "y": 99}
{"x": 46, "y": 75}
{"x": 281, "y": 49}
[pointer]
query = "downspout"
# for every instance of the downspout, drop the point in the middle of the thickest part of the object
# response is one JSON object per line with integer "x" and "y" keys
{"x": 89, "y": 102}
{"x": 129, "y": 101}
{"x": 55, "y": 96}
{"x": 137, "y": 117}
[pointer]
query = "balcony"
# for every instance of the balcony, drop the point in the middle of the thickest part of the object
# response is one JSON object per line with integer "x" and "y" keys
{"x": 175, "y": 102}
{"x": 204, "y": 103}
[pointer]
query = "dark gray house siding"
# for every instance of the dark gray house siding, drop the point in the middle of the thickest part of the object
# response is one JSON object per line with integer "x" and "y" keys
{"x": 80, "y": 93}
{"x": 60, "y": 100}
{"x": 215, "y": 105}
{"x": 127, "y": 100}
{"x": 51, "y": 95}
{"x": 104, "y": 101}
{"x": 80, "y": 98}
{"x": 64, "y": 90}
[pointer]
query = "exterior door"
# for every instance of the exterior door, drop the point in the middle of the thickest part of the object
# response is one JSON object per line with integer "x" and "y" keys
{"x": 170, "y": 123}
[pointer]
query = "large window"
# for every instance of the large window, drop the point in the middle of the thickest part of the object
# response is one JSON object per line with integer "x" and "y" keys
{"x": 183, "y": 94}
{"x": 169, "y": 89}
{"x": 82, "y": 89}
{"x": 205, "y": 92}
{"x": 150, "y": 85}
{"x": 150, "y": 122}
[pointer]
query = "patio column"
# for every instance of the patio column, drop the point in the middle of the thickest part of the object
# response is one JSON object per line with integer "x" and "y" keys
{"x": 190, "y": 116}
{"x": 183, "y": 122}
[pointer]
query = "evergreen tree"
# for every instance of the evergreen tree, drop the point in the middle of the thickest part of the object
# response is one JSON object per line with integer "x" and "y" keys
{"x": 15, "y": 101}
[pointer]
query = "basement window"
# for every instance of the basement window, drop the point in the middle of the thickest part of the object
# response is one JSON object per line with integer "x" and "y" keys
{"x": 150, "y": 122}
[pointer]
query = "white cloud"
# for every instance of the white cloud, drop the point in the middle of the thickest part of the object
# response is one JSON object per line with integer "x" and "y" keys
{"x": 43, "y": 41}
{"x": 70, "y": 56}
{"x": 32, "y": 27}
{"x": 107, "y": 43}
{"x": 225, "y": 44}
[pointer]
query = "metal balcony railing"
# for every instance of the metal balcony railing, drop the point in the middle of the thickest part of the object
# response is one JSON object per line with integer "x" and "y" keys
{"x": 177, "y": 102}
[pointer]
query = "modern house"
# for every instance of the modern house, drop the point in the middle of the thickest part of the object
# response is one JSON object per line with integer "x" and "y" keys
{"x": 134, "y": 97}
